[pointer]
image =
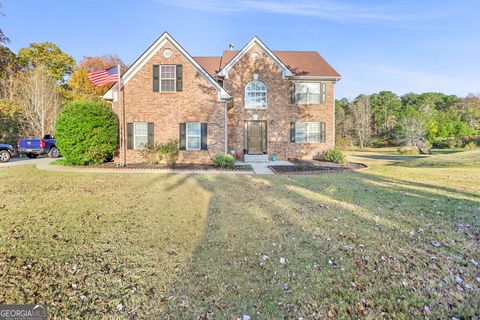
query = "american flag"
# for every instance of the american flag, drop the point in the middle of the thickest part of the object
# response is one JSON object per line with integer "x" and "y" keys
{"x": 102, "y": 77}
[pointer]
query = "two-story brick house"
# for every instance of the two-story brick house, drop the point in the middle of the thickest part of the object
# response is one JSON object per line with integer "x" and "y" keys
{"x": 255, "y": 101}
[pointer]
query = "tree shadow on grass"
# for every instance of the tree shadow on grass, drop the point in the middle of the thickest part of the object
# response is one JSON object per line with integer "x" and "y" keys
{"x": 332, "y": 230}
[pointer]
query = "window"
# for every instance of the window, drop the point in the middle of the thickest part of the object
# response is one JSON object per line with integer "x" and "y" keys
{"x": 310, "y": 132}
{"x": 256, "y": 95}
{"x": 193, "y": 136}
{"x": 140, "y": 135}
{"x": 307, "y": 93}
{"x": 167, "y": 78}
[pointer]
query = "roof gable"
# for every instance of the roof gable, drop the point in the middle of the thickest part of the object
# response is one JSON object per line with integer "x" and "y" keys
{"x": 152, "y": 50}
{"x": 255, "y": 41}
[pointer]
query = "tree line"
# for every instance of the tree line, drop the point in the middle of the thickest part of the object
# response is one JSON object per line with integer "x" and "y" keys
{"x": 412, "y": 120}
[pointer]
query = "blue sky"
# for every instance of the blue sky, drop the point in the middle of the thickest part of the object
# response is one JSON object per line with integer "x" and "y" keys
{"x": 403, "y": 46}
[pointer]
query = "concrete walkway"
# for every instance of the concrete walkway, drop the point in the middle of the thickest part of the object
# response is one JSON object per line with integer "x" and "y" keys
{"x": 262, "y": 167}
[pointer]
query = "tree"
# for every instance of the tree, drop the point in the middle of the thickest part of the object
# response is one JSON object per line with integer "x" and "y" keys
{"x": 79, "y": 84}
{"x": 10, "y": 120}
{"x": 98, "y": 63}
{"x": 360, "y": 110}
{"x": 385, "y": 109}
{"x": 48, "y": 55}
{"x": 9, "y": 66}
{"x": 87, "y": 132}
{"x": 37, "y": 93}
{"x": 411, "y": 130}
{"x": 469, "y": 110}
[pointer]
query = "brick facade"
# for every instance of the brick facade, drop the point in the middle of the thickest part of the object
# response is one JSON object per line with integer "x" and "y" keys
{"x": 199, "y": 102}
{"x": 279, "y": 112}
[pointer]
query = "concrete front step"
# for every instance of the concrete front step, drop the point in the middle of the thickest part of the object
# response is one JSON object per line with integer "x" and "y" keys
{"x": 255, "y": 158}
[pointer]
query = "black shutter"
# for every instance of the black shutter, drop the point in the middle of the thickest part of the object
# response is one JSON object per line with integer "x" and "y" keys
{"x": 292, "y": 131}
{"x": 183, "y": 136}
{"x": 292, "y": 93}
{"x": 204, "y": 136}
{"x": 151, "y": 130}
{"x": 179, "y": 77}
{"x": 323, "y": 135}
{"x": 129, "y": 135}
{"x": 156, "y": 78}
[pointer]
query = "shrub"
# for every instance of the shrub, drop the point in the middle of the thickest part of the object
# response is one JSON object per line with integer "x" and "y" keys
{"x": 86, "y": 132}
{"x": 447, "y": 143}
{"x": 301, "y": 167}
{"x": 151, "y": 154}
{"x": 379, "y": 143}
{"x": 408, "y": 150}
{"x": 224, "y": 161}
{"x": 334, "y": 155}
{"x": 471, "y": 146}
{"x": 170, "y": 152}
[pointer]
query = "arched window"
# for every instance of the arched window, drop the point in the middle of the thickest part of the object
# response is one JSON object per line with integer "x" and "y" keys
{"x": 256, "y": 95}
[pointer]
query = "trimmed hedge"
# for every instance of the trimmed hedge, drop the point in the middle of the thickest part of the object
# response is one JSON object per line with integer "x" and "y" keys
{"x": 224, "y": 160}
{"x": 86, "y": 133}
{"x": 335, "y": 155}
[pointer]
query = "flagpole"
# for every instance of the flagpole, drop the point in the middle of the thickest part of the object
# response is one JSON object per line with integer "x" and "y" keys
{"x": 122, "y": 118}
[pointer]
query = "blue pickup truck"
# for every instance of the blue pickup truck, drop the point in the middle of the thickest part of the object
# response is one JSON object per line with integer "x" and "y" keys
{"x": 32, "y": 148}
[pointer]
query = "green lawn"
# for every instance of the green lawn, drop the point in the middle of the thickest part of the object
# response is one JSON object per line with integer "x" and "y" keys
{"x": 352, "y": 245}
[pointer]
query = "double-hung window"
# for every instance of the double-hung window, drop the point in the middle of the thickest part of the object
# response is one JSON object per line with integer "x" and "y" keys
{"x": 193, "y": 136}
{"x": 310, "y": 132}
{"x": 168, "y": 78}
{"x": 140, "y": 135}
{"x": 307, "y": 93}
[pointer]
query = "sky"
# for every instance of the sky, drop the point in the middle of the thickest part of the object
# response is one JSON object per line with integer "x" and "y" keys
{"x": 401, "y": 46}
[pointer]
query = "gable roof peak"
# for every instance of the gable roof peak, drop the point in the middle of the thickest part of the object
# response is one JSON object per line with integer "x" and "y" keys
{"x": 152, "y": 50}
{"x": 255, "y": 40}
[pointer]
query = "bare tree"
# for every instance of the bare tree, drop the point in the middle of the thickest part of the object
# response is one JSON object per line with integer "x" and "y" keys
{"x": 361, "y": 113}
{"x": 412, "y": 132}
{"x": 37, "y": 93}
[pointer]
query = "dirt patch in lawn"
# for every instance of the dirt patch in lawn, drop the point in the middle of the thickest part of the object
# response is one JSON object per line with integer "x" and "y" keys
{"x": 316, "y": 166}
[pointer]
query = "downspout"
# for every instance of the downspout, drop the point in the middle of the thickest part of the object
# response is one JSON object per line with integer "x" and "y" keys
{"x": 226, "y": 126}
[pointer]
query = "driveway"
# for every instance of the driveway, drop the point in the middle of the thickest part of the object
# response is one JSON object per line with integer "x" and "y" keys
{"x": 23, "y": 161}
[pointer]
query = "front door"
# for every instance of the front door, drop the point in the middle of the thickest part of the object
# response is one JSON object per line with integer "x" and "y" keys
{"x": 256, "y": 137}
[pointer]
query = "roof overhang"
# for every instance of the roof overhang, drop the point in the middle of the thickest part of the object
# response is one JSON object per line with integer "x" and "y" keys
{"x": 255, "y": 41}
{"x": 151, "y": 51}
{"x": 315, "y": 78}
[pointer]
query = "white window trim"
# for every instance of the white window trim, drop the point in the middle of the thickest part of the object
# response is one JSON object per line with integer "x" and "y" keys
{"x": 174, "y": 77}
{"x": 135, "y": 134}
{"x": 308, "y": 94}
{"x": 306, "y": 132}
{"x": 187, "y": 135}
{"x": 266, "y": 96}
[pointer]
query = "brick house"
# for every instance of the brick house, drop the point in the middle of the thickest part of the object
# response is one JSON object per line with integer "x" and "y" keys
{"x": 255, "y": 101}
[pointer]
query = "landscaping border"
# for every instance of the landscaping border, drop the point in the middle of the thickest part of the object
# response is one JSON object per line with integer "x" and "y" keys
{"x": 364, "y": 167}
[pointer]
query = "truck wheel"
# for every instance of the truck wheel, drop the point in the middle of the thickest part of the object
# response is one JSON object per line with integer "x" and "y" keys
{"x": 32, "y": 155}
{"x": 54, "y": 153}
{"x": 4, "y": 156}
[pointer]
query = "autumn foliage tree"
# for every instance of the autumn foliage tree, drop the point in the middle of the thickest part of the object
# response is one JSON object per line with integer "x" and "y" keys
{"x": 49, "y": 56}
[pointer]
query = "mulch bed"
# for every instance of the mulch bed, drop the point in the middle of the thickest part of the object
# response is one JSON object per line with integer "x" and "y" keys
{"x": 316, "y": 166}
{"x": 177, "y": 167}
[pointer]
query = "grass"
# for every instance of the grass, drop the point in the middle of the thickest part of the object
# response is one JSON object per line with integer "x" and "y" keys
{"x": 211, "y": 246}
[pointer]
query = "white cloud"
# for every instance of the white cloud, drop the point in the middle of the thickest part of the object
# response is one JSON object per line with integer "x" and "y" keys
{"x": 327, "y": 9}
